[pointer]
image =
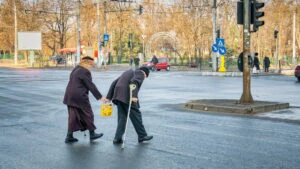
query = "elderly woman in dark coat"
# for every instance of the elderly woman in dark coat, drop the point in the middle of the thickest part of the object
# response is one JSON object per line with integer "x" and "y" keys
{"x": 81, "y": 116}
{"x": 119, "y": 94}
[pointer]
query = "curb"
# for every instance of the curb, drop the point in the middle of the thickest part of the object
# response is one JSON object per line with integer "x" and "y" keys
{"x": 233, "y": 106}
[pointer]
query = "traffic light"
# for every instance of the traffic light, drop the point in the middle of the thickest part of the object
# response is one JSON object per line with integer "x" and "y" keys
{"x": 140, "y": 10}
{"x": 218, "y": 33}
{"x": 130, "y": 45}
{"x": 256, "y": 14}
{"x": 276, "y": 34}
{"x": 240, "y": 62}
{"x": 240, "y": 14}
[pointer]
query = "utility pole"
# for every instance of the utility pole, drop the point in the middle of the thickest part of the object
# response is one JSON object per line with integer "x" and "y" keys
{"x": 276, "y": 45}
{"x": 143, "y": 37}
{"x": 105, "y": 12}
{"x": 196, "y": 25}
{"x": 16, "y": 35}
{"x": 105, "y": 32}
{"x": 294, "y": 35}
{"x": 99, "y": 35}
{"x": 214, "y": 10}
{"x": 246, "y": 96}
{"x": 78, "y": 33}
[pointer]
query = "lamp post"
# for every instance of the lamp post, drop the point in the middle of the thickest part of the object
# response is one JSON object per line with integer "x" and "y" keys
{"x": 99, "y": 36}
{"x": 78, "y": 33}
{"x": 16, "y": 35}
{"x": 105, "y": 32}
{"x": 214, "y": 57}
{"x": 143, "y": 36}
{"x": 276, "y": 48}
{"x": 294, "y": 34}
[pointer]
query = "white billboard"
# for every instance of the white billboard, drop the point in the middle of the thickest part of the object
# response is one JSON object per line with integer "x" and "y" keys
{"x": 29, "y": 40}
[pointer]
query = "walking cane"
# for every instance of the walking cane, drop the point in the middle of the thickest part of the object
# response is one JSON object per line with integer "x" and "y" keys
{"x": 131, "y": 88}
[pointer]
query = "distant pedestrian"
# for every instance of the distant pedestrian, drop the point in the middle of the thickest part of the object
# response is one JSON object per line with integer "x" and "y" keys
{"x": 154, "y": 60}
{"x": 130, "y": 62}
{"x": 137, "y": 62}
{"x": 119, "y": 95}
{"x": 81, "y": 116}
{"x": 266, "y": 63}
{"x": 256, "y": 63}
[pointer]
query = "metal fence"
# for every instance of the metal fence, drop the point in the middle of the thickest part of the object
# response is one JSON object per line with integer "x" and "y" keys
{"x": 202, "y": 64}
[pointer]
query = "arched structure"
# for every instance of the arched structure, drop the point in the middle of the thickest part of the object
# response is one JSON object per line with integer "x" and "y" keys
{"x": 168, "y": 39}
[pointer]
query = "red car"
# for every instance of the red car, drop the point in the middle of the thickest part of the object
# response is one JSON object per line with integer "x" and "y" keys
{"x": 297, "y": 72}
{"x": 163, "y": 63}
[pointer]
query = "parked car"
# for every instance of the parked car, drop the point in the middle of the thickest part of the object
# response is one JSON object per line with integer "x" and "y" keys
{"x": 297, "y": 72}
{"x": 163, "y": 63}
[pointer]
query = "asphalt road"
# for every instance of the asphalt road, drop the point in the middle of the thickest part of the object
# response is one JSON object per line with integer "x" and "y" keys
{"x": 34, "y": 123}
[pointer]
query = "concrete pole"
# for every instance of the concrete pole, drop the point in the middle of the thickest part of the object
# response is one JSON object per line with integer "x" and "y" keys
{"x": 105, "y": 19}
{"x": 246, "y": 96}
{"x": 99, "y": 35}
{"x": 78, "y": 33}
{"x": 214, "y": 57}
{"x": 196, "y": 25}
{"x": 277, "y": 59}
{"x": 105, "y": 32}
{"x": 175, "y": 59}
{"x": 143, "y": 36}
{"x": 294, "y": 39}
{"x": 16, "y": 35}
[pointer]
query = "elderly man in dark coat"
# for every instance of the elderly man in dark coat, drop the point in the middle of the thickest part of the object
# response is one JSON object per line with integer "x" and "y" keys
{"x": 81, "y": 116}
{"x": 119, "y": 94}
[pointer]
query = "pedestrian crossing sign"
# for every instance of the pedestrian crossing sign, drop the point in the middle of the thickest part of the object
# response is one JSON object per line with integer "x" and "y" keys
{"x": 220, "y": 42}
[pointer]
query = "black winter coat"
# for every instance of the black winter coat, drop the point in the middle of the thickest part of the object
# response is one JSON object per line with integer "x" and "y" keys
{"x": 77, "y": 92}
{"x": 267, "y": 62}
{"x": 119, "y": 89}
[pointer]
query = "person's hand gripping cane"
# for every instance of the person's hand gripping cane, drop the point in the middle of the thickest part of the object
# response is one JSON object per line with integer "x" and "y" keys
{"x": 131, "y": 88}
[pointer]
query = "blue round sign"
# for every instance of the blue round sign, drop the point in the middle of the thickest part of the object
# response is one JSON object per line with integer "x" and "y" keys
{"x": 105, "y": 37}
{"x": 215, "y": 48}
{"x": 222, "y": 50}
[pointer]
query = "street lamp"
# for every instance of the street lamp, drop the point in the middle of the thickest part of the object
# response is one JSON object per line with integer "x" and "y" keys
{"x": 78, "y": 33}
{"x": 98, "y": 34}
{"x": 294, "y": 33}
{"x": 143, "y": 36}
{"x": 276, "y": 45}
{"x": 16, "y": 34}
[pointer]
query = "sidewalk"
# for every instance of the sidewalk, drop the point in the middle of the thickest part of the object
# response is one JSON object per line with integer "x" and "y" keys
{"x": 122, "y": 67}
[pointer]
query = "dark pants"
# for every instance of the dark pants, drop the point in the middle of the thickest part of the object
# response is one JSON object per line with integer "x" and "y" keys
{"x": 135, "y": 117}
{"x": 80, "y": 119}
{"x": 266, "y": 69}
{"x": 154, "y": 67}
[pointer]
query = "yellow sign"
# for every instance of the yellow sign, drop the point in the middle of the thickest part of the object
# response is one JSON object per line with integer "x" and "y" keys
{"x": 222, "y": 65}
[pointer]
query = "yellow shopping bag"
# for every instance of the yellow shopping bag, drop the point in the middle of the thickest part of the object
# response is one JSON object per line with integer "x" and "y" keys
{"x": 106, "y": 110}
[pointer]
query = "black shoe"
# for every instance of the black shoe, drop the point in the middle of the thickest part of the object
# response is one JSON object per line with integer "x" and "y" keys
{"x": 115, "y": 141}
{"x": 94, "y": 135}
{"x": 146, "y": 138}
{"x": 70, "y": 140}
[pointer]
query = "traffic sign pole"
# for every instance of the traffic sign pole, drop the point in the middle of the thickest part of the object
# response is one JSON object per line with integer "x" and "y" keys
{"x": 246, "y": 96}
